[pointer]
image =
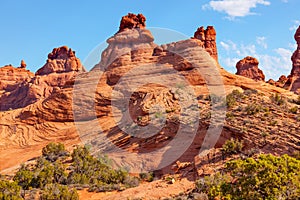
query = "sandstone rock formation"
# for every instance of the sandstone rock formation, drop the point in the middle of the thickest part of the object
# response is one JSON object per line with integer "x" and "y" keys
{"x": 61, "y": 60}
{"x": 132, "y": 21}
{"x": 59, "y": 71}
{"x": 208, "y": 38}
{"x": 293, "y": 82}
{"x": 248, "y": 67}
{"x": 280, "y": 83}
{"x": 11, "y": 77}
{"x": 133, "y": 67}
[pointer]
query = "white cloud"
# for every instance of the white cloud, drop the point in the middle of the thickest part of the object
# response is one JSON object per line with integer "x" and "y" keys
{"x": 262, "y": 42}
{"x": 285, "y": 56}
{"x": 293, "y": 46}
{"x": 296, "y": 24}
{"x": 285, "y": 1}
{"x": 235, "y": 8}
{"x": 225, "y": 45}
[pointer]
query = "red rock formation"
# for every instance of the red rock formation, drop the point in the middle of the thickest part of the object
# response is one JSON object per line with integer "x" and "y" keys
{"x": 132, "y": 21}
{"x": 208, "y": 37}
{"x": 23, "y": 64}
{"x": 280, "y": 83}
{"x": 61, "y": 60}
{"x": 11, "y": 77}
{"x": 248, "y": 67}
{"x": 293, "y": 82}
{"x": 25, "y": 88}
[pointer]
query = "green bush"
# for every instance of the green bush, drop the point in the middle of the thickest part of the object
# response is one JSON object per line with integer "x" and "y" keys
{"x": 9, "y": 190}
{"x": 253, "y": 109}
{"x": 147, "y": 176}
{"x": 233, "y": 97}
{"x": 267, "y": 177}
{"x": 231, "y": 147}
{"x": 56, "y": 191}
{"x": 53, "y": 151}
{"x": 24, "y": 177}
{"x": 84, "y": 169}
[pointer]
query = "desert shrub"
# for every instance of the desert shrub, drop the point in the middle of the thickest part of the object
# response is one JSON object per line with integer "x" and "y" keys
{"x": 248, "y": 92}
{"x": 277, "y": 99}
{"x": 231, "y": 147}
{"x": 53, "y": 151}
{"x": 41, "y": 174}
{"x": 294, "y": 110}
{"x": 253, "y": 109}
{"x": 230, "y": 101}
{"x": 24, "y": 177}
{"x": 273, "y": 123}
{"x": 146, "y": 176}
{"x": 267, "y": 177}
{"x": 234, "y": 96}
{"x": 86, "y": 169}
{"x": 212, "y": 185}
{"x": 57, "y": 191}
{"x": 9, "y": 190}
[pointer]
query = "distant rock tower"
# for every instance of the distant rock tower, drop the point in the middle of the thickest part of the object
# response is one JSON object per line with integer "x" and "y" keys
{"x": 23, "y": 64}
{"x": 293, "y": 82}
{"x": 208, "y": 38}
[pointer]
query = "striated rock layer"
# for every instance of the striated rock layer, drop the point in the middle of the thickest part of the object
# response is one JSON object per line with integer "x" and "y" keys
{"x": 248, "y": 67}
{"x": 11, "y": 77}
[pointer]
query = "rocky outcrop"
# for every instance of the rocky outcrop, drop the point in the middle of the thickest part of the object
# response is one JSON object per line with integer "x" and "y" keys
{"x": 61, "y": 60}
{"x": 280, "y": 83}
{"x": 248, "y": 67}
{"x": 132, "y": 21}
{"x": 208, "y": 38}
{"x": 293, "y": 82}
{"x": 59, "y": 72}
{"x": 11, "y": 77}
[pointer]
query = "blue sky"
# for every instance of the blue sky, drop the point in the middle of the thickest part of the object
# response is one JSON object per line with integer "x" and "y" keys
{"x": 260, "y": 28}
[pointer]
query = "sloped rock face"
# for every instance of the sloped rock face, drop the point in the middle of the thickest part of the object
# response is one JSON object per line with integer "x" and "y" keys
{"x": 59, "y": 71}
{"x": 11, "y": 77}
{"x": 208, "y": 38}
{"x": 248, "y": 67}
{"x": 293, "y": 82}
{"x": 61, "y": 60}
